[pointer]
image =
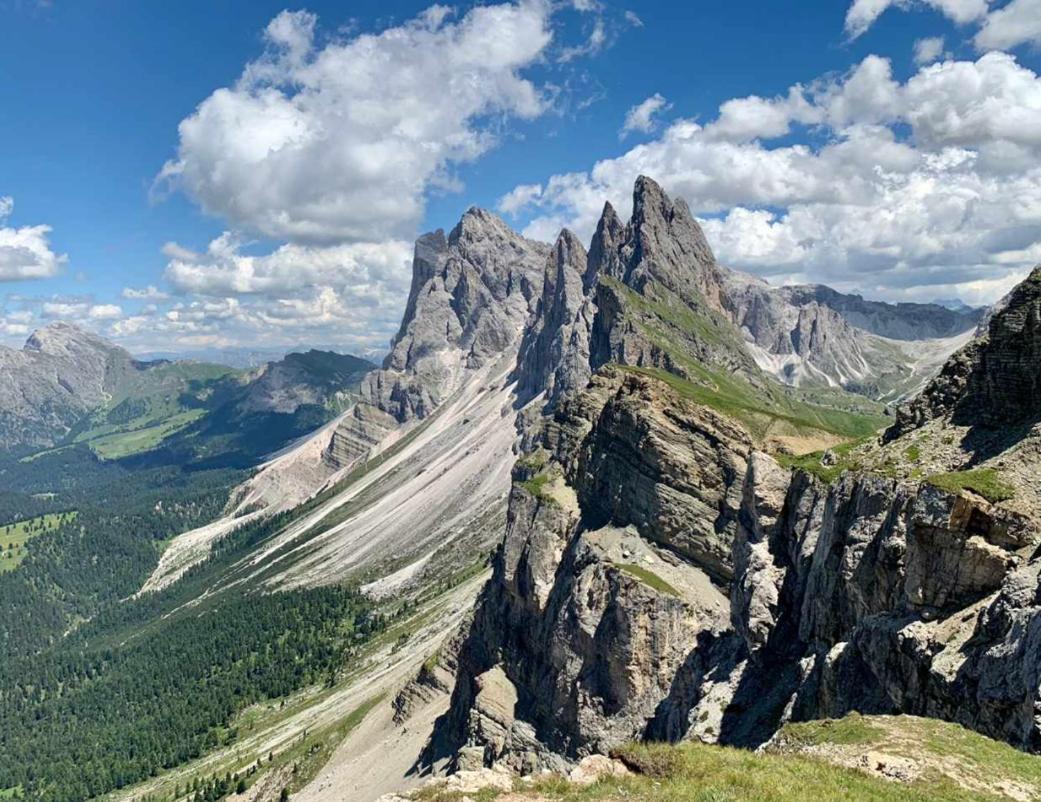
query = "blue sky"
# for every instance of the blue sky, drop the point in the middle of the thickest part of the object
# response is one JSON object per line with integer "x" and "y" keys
{"x": 230, "y": 173}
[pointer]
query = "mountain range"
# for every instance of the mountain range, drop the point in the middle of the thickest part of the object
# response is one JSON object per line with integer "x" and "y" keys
{"x": 714, "y": 509}
{"x": 67, "y": 386}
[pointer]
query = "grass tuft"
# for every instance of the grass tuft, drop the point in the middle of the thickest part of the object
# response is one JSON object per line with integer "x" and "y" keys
{"x": 648, "y": 578}
{"x": 984, "y": 482}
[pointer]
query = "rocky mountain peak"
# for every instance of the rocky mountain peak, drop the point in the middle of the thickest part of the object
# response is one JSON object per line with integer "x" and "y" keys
{"x": 603, "y": 249}
{"x": 479, "y": 224}
{"x": 667, "y": 243}
{"x": 994, "y": 380}
{"x": 471, "y": 294}
{"x": 554, "y": 355}
{"x": 65, "y": 339}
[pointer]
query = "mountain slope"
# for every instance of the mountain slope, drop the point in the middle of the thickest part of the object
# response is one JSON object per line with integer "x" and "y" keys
{"x": 656, "y": 573}
{"x": 662, "y": 577}
{"x": 60, "y": 375}
{"x": 69, "y": 387}
{"x": 813, "y": 336}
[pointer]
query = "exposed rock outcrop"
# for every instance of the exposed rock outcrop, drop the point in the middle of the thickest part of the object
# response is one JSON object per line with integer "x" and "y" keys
{"x": 471, "y": 296}
{"x": 994, "y": 381}
{"x": 61, "y": 374}
{"x": 660, "y": 578}
{"x": 813, "y": 336}
{"x": 554, "y": 357}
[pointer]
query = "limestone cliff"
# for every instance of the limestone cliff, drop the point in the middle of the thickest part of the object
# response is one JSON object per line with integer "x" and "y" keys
{"x": 994, "y": 381}
{"x": 663, "y": 577}
{"x": 472, "y": 293}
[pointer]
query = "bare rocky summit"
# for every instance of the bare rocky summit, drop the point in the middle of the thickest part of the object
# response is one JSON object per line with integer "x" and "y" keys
{"x": 60, "y": 374}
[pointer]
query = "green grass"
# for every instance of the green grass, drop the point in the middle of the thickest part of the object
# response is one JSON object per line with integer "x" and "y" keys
{"x": 134, "y": 441}
{"x": 811, "y": 463}
{"x": 853, "y": 729}
{"x": 15, "y": 536}
{"x": 695, "y": 772}
{"x": 702, "y": 324}
{"x": 985, "y": 482}
{"x": 648, "y": 578}
{"x": 756, "y": 409}
{"x": 677, "y": 328}
{"x": 536, "y": 485}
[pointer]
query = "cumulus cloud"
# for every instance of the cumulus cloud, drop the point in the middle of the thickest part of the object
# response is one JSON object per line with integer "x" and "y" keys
{"x": 909, "y": 188}
{"x": 151, "y": 292}
{"x": 862, "y": 14}
{"x": 642, "y": 116}
{"x": 928, "y": 50}
{"x": 519, "y": 198}
{"x": 25, "y": 253}
{"x": 1016, "y": 23}
{"x": 375, "y": 270}
{"x": 1000, "y": 28}
{"x": 340, "y": 142}
{"x": 105, "y": 312}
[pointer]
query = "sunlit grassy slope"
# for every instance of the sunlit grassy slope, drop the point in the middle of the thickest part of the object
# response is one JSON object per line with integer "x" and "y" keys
{"x": 866, "y": 759}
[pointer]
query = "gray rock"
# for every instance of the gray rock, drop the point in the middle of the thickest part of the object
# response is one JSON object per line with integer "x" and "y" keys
{"x": 994, "y": 381}
{"x": 60, "y": 375}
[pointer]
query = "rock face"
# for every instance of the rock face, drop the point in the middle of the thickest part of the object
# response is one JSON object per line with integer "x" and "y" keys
{"x": 315, "y": 378}
{"x": 472, "y": 294}
{"x": 62, "y": 373}
{"x": 659, "y": 291}
{"x": 691, "y": 587}
{"x": 554, "y": 357}
{"x": 661, "y": 578}
{"x": 993, "y": 381}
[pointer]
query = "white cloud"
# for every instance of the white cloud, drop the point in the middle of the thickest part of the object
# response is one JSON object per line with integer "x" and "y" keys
{"x": 862, "y": 14}
{"x": 968, "y": 103}
{"x": 932, "y": 183}
{"x": 1010, "y": 24}
{"x": 374, "y": 270}
{"x": 928, "y": 50}
{"x": 633, "y": 19}
{"x": 1013, "y": 24}
{"x": 64, "y": 310}
{"x": 151, "y": 292}
{"x": 340, "y": 142}
{"x": 25, "y": 253}
{"x": 105, "y": 312}
{"x": 594, "y": 44}
{"x": 641, "y": 117}
{"x": 519, "y": 198}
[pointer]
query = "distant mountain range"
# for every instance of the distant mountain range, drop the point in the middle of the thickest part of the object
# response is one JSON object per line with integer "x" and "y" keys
{"x": 68, "y": 387}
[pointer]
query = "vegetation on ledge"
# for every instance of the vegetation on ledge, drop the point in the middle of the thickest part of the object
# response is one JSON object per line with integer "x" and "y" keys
{"x": 878, "y": 759}
{"x": 984, "y": 482}
{"x": 648, "y": 578}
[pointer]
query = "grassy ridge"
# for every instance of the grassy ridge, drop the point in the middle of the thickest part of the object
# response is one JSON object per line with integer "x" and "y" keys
{"x": 809, "y": 762}
{"x": 684, "y": 330}
{"x": 757, "y": 410}
{"x": 985, "y": 482}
